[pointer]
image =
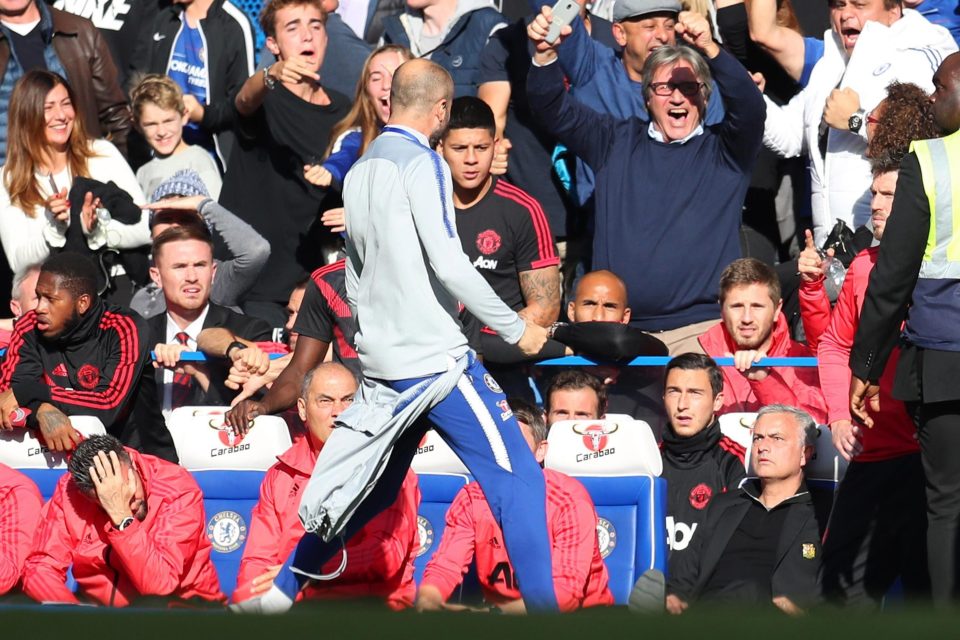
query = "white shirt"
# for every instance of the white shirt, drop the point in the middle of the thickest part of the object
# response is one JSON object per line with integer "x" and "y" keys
{"x": 21, "y": 28}
{"x": 27, "y": 240}
{"x": 193, "y": 331}
{"x": 655, "y": 134}
{"x": 354, "y": 14}
{"x": 909, "y": 50}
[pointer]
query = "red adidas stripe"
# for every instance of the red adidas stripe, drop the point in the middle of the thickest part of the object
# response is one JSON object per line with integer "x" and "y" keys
{"x": 346, "y": 349}
{"x": 537, "y": 216}
{"x": 732, "y": 447}
{"x": 337, "y": 304}
{"x": 27, "y": 323}
{"x": 123, "y": 374}
{"x": 330, "y": 268}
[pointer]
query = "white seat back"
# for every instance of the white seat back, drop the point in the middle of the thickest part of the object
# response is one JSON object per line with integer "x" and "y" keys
{"x": 739, "y": 428}
{"x": 827, "y": 463}
{"x": 435, "y": 456}
{"x": 203, "y": 441}
{"x": 20, "y": 448}
{"x": 617, "y": 445}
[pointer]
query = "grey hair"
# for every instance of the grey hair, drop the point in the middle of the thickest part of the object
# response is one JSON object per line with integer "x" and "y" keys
{"x": 324, "y": 366}
{"x": 808, "y": 426}
{"x": 669, "y": 56}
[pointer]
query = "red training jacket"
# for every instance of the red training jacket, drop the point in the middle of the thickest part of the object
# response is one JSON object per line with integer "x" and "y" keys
{"x": 794, "y": 386}
{"x": 579, "y": 574}
{"x": 168, "y": 554}
{"x": 20, "y": 505}
{"x": 894, "y": 432}
{"x": 379, "y": 557}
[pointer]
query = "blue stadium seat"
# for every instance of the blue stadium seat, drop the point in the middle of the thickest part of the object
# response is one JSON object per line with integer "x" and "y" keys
{"x": 632, "y": 514}
{"x": 45, "y": 479}
{"x": 252, "y": 9}
{"x": 228, "y": 499}
{"x": 229, "y": 470}
{"x": 617, "y": 460}
{"x": 436, "y": 493}
{"x": 441, "y": 474}
{"x": 21, "y": 450}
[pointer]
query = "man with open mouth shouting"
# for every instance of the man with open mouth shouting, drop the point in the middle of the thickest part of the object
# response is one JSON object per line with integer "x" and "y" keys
{"x": 871, "y": 44}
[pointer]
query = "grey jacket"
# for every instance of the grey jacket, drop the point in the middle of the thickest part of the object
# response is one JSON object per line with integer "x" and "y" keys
{"x": 357, "y": 452}
{"x": 406, "y": 270}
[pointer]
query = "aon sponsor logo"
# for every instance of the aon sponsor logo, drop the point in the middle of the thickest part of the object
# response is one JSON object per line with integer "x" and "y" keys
{"x": 484, "y": 263}
{"x": 679, "y": 534}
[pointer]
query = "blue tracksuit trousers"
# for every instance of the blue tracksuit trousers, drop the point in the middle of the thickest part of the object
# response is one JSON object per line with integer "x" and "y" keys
{"x": 476, "y": 422}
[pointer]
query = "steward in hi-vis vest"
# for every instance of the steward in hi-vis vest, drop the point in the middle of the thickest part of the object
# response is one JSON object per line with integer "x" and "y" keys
{"x": 916, "y": 285}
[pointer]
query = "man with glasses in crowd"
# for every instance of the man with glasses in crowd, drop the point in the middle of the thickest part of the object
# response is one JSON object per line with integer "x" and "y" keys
{"x": 650, "y": 225}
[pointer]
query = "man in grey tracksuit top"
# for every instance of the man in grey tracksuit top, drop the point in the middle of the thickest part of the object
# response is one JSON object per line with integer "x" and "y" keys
{"x": 406, "y": 276}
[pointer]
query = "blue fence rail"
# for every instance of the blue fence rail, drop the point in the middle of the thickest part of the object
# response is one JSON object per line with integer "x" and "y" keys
{"x": 660, "y": 361}
{"x": 579, "y": 361}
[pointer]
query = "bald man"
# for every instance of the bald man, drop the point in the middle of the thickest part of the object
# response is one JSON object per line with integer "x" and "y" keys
{"x": 600, "y": 297}
{"x": 600, "y": 314}
{"x": 406, "y": 275}
{"x": 381, "y": 555}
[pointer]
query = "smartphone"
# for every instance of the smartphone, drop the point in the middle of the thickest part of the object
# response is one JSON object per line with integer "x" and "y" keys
{"x": 563, "y": 14}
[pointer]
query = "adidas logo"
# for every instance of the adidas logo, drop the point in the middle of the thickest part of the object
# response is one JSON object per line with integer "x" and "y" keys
{"x": 60, "y": 370}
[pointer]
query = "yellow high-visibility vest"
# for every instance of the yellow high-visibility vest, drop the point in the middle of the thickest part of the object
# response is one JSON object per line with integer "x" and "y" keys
{"x": 940, "y": 170}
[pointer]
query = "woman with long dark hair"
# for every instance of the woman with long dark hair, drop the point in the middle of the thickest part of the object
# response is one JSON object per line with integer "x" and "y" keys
{"x": 48, "y": 151}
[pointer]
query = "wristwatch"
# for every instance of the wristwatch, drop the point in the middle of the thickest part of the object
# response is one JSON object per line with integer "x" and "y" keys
{"x": 268, "y": 80}
{"x": 856, "y": 121}
{"x": 126, "y": 522}
{"x": 236, "y": 344}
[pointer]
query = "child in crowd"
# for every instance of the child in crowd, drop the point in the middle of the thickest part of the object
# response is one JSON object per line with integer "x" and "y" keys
{"x": 160, "y": 115}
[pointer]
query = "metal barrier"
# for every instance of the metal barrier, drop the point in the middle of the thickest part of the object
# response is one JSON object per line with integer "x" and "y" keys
{"x": 660, "y": 361}
{"x": 577, "y": 361}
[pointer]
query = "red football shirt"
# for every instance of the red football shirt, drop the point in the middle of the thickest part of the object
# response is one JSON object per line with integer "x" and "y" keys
{"x": 579, "y": 573}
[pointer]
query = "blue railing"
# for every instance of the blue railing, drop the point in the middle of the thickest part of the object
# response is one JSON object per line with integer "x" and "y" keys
{"x": 660, "y": 361}
{"x": 577, "y": 361}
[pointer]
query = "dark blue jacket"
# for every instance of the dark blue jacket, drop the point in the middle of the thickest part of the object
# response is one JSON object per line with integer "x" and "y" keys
{"x": 667, "y": 215}
{"x": 459, "y": 53}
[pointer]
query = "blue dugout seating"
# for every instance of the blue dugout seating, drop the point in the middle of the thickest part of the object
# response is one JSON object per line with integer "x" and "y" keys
{"x": 616, "y": 459}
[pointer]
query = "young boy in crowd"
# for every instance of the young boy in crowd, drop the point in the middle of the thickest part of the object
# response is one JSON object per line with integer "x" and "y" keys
{"x": 160, "y": 115}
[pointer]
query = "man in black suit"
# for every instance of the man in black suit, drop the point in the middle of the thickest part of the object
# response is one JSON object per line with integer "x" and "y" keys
{"x": 913, "y": 300}
{"x": 761, "y": 543}
{"x": 184, "y": 269}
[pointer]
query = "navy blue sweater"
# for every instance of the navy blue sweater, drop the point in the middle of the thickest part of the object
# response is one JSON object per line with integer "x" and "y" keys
{"x": 667, "y": 215}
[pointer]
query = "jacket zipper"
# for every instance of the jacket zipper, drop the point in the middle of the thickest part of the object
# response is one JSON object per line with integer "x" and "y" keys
{"x": 116, "y": 575}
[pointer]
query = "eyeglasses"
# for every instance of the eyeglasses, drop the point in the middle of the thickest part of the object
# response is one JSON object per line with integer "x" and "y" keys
{"x": 667, "y": 88}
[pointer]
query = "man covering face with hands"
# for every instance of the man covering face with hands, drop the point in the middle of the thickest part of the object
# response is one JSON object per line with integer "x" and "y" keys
{"x": 129, "y": 526}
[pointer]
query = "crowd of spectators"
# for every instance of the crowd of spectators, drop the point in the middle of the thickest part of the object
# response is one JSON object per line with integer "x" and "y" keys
{"x": 698, "y": 180}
